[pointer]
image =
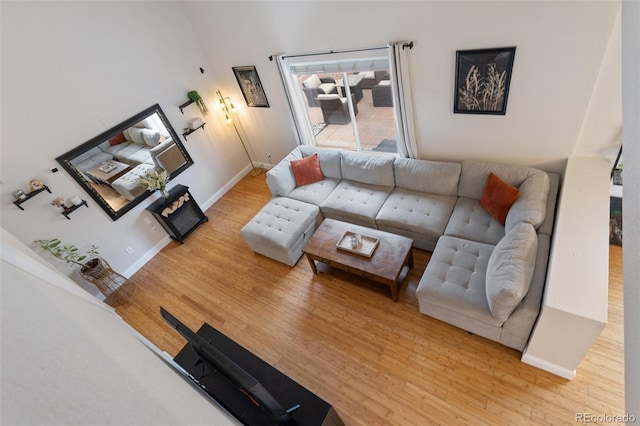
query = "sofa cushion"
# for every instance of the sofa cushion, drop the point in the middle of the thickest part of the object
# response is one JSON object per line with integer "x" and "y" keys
{"x": 312, "y": 82}
{"x": 454, "y": 280}
{"x": 510, "y": 270}
{"x": 328, "y": 87}
{"x": 280, "y": 179}
{"x": 531, "y": 205}
{"x": 497, "y": 197}
{"x": 133, "y": 153}
{"x": 368, "y": 168}
{"x": 307, "y": 170}
{"x": 314, "y": 193}
{"x": 152, "y": 137}
{"x": 470, "y": 221}
{"x": 327, "y": 96}
{"x": 475, "y": 173}
{"x": 330, "y": 160}
{"x": 355, "y": 202}
{"x": 433, "y": 177}
{"x": 416, "y": 212}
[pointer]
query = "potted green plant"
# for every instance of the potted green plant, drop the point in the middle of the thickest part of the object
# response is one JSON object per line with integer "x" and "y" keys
{"x": 116, "y": 288}
{"x": 195, "y": 97}
{"x": 70, "y": 253}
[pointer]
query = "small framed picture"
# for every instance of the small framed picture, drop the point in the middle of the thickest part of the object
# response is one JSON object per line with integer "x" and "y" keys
{"x": 482, "y": 80}
{"x": 251, "y": 87}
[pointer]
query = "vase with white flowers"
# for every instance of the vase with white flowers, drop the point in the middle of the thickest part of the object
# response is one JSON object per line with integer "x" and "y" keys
{"x": 155, "y": 181}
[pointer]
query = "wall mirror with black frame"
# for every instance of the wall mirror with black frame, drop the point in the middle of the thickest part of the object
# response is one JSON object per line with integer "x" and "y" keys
{"x": 107, "y": 167}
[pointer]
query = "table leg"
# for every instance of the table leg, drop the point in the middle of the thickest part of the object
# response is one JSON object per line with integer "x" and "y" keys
{"x": 312, "y": 263}
{"x": 394, "y": 290}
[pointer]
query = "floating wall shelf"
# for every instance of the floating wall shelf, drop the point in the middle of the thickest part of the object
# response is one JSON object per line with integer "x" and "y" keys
{"x": 188, "y": 132}
{"x": 73, "y": 208}
{"x": 184, "y": 105}
{"x": 31, "y": 195}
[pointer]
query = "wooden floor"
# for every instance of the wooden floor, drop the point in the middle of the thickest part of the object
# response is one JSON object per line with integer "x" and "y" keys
{"x": 378, "y": 362}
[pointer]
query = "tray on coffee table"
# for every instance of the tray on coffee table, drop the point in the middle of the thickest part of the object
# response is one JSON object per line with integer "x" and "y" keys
{"x": 366, "y": 247}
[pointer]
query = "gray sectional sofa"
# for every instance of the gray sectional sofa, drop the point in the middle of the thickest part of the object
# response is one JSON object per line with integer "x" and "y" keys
{"x": 483, "y": 276}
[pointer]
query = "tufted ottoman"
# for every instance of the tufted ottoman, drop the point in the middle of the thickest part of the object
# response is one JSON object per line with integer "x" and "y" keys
{"x": 128, "y": 185}
{"x": 281, "y": 228}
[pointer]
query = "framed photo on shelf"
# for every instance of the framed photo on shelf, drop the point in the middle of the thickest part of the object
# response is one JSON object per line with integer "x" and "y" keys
{"x": 482, "y": 80}
{"x": 251, "y": 87}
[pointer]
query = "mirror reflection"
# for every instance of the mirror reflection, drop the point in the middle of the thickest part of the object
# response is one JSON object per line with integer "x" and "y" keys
{"x": 108, "y": 166}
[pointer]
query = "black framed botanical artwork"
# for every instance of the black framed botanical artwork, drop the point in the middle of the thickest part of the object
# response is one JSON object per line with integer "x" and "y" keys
{"x": 251, "y": 86}
{"x": 483, "y": 77}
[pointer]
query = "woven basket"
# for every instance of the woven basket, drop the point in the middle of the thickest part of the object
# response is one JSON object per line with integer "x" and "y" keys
{"x": 116, "y": 288}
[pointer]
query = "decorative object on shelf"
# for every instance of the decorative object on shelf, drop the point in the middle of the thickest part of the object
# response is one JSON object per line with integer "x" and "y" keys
{"x": 76, "y": 200}
{"x": 154, "y": 180}
{"x": 24, "y": 197}
{"x": 58, "y": 202}
{"x": 195, "y": 97}
{"x": 116, "y": 288}
{"x": 482, "y": 80}
{"x": 75, "y": 203}
{"x": 227, "y": 107}
{"x": 36, "y": 184}
{"x": 251, "y": 86}
{"x": 193, "y": 125}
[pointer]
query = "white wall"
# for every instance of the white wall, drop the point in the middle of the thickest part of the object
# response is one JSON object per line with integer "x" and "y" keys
{"x": 67, "y": 359}
{"x": 575, "y": 301}
{"x": 71, "y": 70}
{"x": 560, "y": 49}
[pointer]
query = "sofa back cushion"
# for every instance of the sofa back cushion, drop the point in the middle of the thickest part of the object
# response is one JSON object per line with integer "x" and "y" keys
{"x": 433, "y": 177}
{"x": 473, "y": 177}
{"x": 330, "y": 160}
{"x": 280, "y": 178}
{"x": 510, "y": 270}
{"x": 368, "y": 168}
{"x": 531, "y": 204}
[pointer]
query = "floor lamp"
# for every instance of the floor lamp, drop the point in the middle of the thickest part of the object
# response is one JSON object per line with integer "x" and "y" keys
{"x": 227, "y": 106}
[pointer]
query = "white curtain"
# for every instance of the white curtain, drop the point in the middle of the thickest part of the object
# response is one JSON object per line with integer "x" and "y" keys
{"x": 296, "y": 103}
{"x": 401, "y": 86}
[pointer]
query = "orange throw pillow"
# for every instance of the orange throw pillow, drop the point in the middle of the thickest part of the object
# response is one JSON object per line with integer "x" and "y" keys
{"x": 117, "y": 139}
{"x": 307, "y": 170}
{"x": 497, "y": 197}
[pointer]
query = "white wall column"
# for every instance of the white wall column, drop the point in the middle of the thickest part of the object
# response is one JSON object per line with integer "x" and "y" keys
{"x": 575, "y": 302}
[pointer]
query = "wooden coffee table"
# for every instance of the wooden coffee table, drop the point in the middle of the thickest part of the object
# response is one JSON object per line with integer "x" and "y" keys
{"x": 110, "y": 176}
{"x": 389, "y": 264}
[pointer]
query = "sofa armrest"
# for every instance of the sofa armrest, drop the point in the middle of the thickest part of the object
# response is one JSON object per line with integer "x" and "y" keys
{"x": 280, "y": 178}
{"x": 518, "y": 327}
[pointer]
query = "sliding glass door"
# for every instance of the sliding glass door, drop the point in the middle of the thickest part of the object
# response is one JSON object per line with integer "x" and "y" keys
{"x": 345, "y": 103}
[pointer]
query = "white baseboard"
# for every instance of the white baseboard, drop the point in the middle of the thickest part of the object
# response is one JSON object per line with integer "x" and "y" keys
{"x": 147, "y": 256}
{"x": 549, "y": 366}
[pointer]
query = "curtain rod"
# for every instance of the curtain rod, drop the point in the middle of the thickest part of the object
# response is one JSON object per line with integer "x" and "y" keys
{"x": 409, "y": 45}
